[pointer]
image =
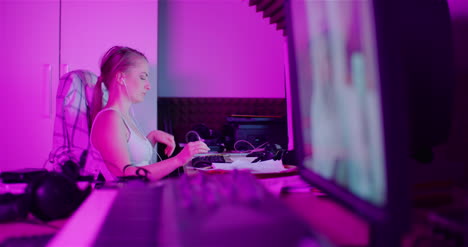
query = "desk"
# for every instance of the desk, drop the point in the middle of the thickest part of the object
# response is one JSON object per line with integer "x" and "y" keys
{"x": 30, "y": 228}
{"x": 337, "y": 223}
{"x": 340, "y": 226}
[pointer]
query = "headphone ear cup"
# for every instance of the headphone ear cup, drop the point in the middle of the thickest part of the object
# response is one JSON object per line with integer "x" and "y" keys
{"x": 53, "y": 196}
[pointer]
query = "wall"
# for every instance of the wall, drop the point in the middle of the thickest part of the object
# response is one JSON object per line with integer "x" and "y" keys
{"x": 459, "y": 138}
{"x": 90, "y": 27}
{"x": 29, "y": 61}
{"x": 218, "y": 48}
{"x": 34, "y": 34}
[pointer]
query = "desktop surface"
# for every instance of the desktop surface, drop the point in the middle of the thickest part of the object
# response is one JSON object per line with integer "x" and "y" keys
{"x": 230, "y": 209}
{"x": 335, "y": 223}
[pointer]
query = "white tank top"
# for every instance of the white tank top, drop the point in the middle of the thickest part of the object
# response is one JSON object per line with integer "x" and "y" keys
{"x": 139, "y": 148}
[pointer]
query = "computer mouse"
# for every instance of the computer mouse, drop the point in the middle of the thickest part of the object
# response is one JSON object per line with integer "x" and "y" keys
{"x": 201, "y": 163}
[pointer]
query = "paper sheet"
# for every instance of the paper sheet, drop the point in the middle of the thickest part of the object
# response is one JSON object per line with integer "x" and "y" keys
{"x": 268, "y": 166}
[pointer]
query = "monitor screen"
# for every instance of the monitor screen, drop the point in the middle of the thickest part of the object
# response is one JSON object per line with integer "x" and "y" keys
{"x": 340, "y": 95}
{"x": 350, "y": 125}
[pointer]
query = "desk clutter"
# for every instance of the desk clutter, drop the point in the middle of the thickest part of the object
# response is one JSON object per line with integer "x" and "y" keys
{"x": 267, "y": 166}
{"x": 262, "y": 162}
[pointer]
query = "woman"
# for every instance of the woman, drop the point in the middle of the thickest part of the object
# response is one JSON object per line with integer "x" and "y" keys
{"x": 123, "y": 147}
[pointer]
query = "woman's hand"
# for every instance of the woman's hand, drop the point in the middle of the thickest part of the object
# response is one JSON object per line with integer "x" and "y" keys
{"x": 164, "y": 138}
{"x": 191, "y": 149}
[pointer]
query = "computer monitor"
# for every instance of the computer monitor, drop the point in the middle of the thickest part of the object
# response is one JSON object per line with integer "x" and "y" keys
{"x": 350, "y": 107}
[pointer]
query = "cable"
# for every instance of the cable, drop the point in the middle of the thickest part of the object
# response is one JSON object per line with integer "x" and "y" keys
{"x": 250, "y": 144}
{"x": 140, "y": 129}
{"x": 56, "y": 158}
{"x": 262, "y": 145}
{"x": 192, "y": 132}
{"x": 160, "y": 158}
{"x": 67, "y": 139}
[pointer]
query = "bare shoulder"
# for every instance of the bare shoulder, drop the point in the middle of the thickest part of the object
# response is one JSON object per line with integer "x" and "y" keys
{"x": 108, "y": 119}
{"x": 108, "y": 124}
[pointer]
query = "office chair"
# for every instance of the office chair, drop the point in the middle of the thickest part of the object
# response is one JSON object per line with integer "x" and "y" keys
{"x": 72, "y": 125}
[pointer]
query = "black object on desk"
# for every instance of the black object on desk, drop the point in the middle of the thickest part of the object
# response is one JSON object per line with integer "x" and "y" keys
{"x": 204, "y": 161}
{"x": 259, "y": 129}
{"x": 230, "y": 209}
{"x": 48, "y": 196}
{"x": 270, "y": 152}
{"x": 25, "y": 175}
{"x": 134, "y": 217}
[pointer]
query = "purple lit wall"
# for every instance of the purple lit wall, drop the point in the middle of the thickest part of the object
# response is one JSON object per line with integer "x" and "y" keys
{"x": 206, "y": 49}
{"x": 218, "y": 49}
{"x": 90, "y": 28}
{"x": 29, "y": 58}
{"x": 35, "y": 35}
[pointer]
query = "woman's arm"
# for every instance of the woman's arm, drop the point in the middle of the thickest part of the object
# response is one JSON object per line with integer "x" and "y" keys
{"x": 164, "y": 138}
{"x": 163, "y": 168}
{"x": 109, "y": 137}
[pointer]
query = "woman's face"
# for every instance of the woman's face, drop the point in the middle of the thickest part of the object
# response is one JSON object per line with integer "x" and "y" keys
{"x": 136, "y": 79}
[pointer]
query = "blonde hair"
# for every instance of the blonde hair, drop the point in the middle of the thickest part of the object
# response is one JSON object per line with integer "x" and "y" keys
{"x": 116, "y": 59}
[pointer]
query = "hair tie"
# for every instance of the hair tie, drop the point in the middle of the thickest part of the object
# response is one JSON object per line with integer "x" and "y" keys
{"x": 125, "y": 168}
{"x": 142, "y": 172}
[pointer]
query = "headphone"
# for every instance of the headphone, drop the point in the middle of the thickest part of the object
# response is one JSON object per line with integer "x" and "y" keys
{"x": 69, "y": 165}
{"x": 48, "y": 196}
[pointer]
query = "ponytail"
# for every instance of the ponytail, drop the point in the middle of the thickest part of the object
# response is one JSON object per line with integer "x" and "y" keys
{"x": 96, "y": 104}
{"x": 117, "y": 58}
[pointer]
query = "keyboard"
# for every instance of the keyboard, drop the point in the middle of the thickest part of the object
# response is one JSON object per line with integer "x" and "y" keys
{"x": 133, "y": 218}
{"x": 27, "y": 241}
{"x": 231, "y": 209}
{"x": 207, "y": 160}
